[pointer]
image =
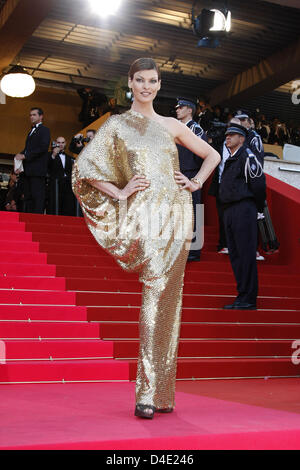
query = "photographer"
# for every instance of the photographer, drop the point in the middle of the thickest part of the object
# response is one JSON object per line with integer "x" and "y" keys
{"x": 78, "y": 141}
{"x": 61, "y": 198}
{"x": 278, "y": 134}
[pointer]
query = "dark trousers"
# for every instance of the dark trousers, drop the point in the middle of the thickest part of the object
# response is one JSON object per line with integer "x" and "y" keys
{"x": 240, "y": 221}
{"x": 61, "y": 200}
{"x": 34, "y": 194}
{"x": 196, "y": 197}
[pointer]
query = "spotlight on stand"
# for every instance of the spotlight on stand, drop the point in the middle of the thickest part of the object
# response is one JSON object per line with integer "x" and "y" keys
{"x": 211, "y": 26}
{"x": 17, "y": 82}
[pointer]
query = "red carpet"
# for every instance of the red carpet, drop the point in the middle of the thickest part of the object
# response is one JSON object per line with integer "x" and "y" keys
{"x": 100, "y": 416}
{"x": 69, "y": 313}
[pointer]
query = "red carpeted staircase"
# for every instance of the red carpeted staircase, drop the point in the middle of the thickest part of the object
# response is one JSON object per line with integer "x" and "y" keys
{"x": 68, "y": 313}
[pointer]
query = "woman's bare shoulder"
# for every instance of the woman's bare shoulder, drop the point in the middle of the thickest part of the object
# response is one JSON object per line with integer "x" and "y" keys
{"x": 172, "y": 124}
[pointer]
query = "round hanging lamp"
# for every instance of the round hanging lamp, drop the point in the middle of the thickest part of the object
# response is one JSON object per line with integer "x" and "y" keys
{"x": 17, "y": 82}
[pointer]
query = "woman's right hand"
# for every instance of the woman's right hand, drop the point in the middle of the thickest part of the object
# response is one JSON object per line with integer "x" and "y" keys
{"x": 137, "y": 183}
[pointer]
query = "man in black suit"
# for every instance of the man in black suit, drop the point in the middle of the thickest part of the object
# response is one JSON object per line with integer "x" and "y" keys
{"x": 61, "y": 197}
{"x": 35, "y": 163}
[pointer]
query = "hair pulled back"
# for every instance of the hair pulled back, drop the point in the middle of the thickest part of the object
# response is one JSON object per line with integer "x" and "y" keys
{"x": 144, "y": 63}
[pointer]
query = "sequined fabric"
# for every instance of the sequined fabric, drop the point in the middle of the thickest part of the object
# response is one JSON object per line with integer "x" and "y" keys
{"x": 148, "y": 233}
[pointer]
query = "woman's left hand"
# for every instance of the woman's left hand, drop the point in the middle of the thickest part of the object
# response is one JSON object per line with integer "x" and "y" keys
{"x": 185, "y": 183}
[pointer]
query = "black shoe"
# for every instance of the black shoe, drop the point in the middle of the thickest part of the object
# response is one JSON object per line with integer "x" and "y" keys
{"x": 240, "y": 306}
{"x": 193, "y": 258}
{"x": 144, "y": 411}
{"x": 245, "y": 306}
{"x": 231, "y": 306}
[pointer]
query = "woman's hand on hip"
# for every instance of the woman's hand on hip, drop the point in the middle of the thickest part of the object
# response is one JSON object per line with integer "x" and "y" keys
{"x": 185, "y": 183}
{"x": 137, "y": 183}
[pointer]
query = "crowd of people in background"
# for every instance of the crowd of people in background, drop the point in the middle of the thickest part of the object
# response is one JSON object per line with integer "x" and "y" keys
{"x": 272, "y": 131}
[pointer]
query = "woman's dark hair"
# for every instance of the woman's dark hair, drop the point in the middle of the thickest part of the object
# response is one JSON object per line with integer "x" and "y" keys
{"x": 144, "y": 63}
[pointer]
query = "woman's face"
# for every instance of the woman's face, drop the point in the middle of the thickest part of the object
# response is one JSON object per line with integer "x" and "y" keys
{"x": 145, "y": 85}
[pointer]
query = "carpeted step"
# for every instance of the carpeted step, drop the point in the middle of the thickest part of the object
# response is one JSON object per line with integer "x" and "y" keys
{"x": 70, "y": 248}
{"x": 124, "y": 285}
{"x": 42, "y": 227}
{"x": 53, "y": 313}
{"x": 94, "y": 272}
{"x": 63, "y": 371}
{"x": 33, "y": 282}
{"x": 22, "y": 246}
{"x": 123, "y": 313}
{"x": 119, "y": 277}
{"x": 9, "y": 216}
{"x": 100, "y": 260}
{"x": 65, "y": 238}
{"x": 51, "y": 219}
{"x": 189, "y": 300}
{"x": 6, "y": 235}
{"x": 23, "y": 258}
{"x": 115, "y": 271}
{"x": 199, "y": 330}
{"x": 23, "y": 269}
{"x": 52, "y": 350}
{"x": 14, "y": 297}
{"x": 188, "y": 369}
{"x": 49, "y": 330}
{"x": 213, "y": 349}
{"x": 13, "y": 226}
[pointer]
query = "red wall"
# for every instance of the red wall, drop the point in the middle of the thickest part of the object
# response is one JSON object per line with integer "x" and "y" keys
{"x": 284, "y": 206}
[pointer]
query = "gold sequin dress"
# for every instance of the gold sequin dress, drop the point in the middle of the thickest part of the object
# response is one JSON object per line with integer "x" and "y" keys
{"x": 149, "y": 233}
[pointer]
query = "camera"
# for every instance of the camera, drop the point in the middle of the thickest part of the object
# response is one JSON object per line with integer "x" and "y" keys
{"x": 81, "y": 140}
{"x": 54, "y": 144}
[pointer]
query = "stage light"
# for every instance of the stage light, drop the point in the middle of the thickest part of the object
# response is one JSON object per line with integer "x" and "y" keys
{"x": 220, "y": 21}
{"x": 211, "y": 25}
{"x": 105, "y": 7}
{"x": 17, "y": 83}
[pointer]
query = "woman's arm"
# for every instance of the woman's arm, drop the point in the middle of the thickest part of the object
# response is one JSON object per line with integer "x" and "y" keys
{"x": 137, "y": 183}
{"x": 184, "y": 136}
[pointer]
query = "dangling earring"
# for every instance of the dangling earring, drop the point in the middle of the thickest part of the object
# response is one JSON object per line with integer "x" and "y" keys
{"x": 129, "y": 94}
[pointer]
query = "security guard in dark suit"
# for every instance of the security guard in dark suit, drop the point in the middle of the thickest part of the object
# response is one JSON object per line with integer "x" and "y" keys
{"x": 190, "y": 163}
{"x": 242, "y": 193}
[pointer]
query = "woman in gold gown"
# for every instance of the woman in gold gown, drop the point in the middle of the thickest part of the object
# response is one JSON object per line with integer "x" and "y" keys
{"x": 138, "y": 206}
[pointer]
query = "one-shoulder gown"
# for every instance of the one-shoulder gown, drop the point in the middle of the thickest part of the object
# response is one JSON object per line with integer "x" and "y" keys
{"x": 149, "y": 233}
